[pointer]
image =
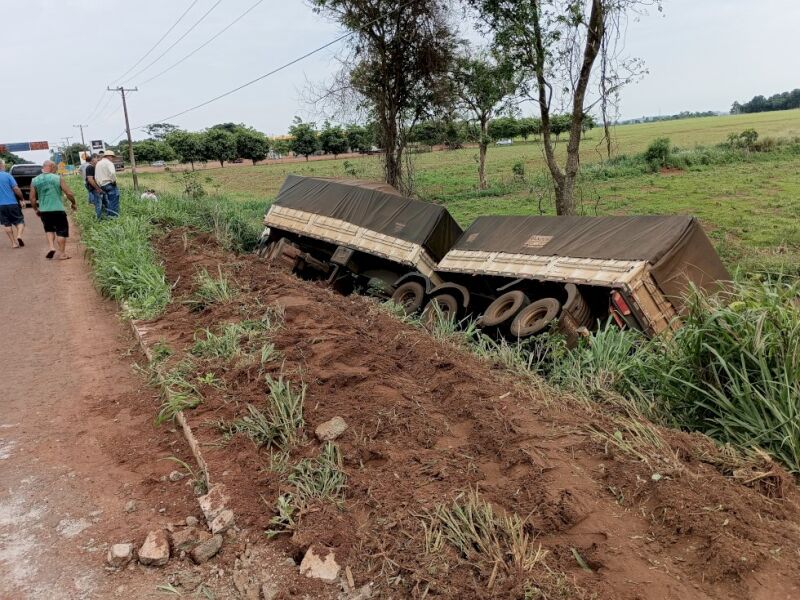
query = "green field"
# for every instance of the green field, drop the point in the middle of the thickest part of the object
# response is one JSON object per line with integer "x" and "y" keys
{"x": 750, "y": 208}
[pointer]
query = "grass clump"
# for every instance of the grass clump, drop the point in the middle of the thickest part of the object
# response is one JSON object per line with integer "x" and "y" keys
{"x": 247, "y": 341}
{"x": 470, "y": 525}
{"x": 211, "y": 290}
{"x": 319, "y": 478}
{"x": 732, "y": 371}
{"x": 281, "y": 423}
{"x": 125, "y": 265}
{"x": 178, "y": 390}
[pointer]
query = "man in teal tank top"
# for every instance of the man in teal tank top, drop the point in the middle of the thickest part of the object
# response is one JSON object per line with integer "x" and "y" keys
{"x": 46, "y": 199}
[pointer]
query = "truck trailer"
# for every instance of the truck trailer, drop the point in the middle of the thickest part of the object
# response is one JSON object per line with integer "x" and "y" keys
{"x": 518, "y": 274}
{"x": 356, "y": 234}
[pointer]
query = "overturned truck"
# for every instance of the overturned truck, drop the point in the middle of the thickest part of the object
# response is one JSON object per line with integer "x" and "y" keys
{"x": 357, "y": 235}
{"x": 517, "y": 275}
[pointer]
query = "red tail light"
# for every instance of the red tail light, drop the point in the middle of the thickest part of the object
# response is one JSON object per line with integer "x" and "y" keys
{"x": 620, "y": 304}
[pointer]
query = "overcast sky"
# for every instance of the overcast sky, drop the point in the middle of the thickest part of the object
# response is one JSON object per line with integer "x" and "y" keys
{"x": 59, "y": 56}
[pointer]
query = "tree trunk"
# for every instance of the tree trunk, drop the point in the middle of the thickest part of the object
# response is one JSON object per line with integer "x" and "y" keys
{"x": 192, "y": 162}
{"x": 483, "y": 146}
{"x": 222, "y": 163}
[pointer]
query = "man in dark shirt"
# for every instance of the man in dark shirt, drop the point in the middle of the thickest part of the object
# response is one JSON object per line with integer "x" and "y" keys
{"x": 96, "y": 194}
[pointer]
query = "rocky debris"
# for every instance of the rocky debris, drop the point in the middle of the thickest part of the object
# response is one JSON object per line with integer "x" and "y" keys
{"x": 176, "y": 476}
{"x": 214, "y": 506}
{"x": 314, "y": 565}
{"x": 206, "y": 550}
{"x": 130, "y": 506}
{"x": 330, "y": 430}
{"x": 155, "y": 550}
{"x": 187, "y": 538}
{"x": 188, "y": 580}
{"x": 119, "y": 555}
{"x": 191, "y": 521}
{"x": 222, "y": 522}
{"x": 247, "y": 586}
{"x": 268, "y": 591}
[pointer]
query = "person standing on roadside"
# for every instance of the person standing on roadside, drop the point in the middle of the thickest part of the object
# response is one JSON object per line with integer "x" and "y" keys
{"x": 96, "y": 195}
{"x": 11, "y": 218}
{"x": 105, "y": 174}
{"x": 46, "y": 199}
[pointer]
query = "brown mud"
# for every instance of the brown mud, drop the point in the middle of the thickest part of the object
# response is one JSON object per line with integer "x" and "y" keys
{"x": 621, "y": 509}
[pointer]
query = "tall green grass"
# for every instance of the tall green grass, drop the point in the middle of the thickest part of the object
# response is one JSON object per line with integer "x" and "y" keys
{"x": 236, "y": 225}
{"x": 732, "y": 371}
{"x": 125, "y": 265}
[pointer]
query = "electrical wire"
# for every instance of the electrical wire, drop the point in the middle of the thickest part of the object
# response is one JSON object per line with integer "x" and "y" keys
{"x": 94, "y": 110}
{"x": 278, "y": 69}
{"x": 175, "y": 43}
{"x": 161, "y": 39}
{"x": 203, "y": 45}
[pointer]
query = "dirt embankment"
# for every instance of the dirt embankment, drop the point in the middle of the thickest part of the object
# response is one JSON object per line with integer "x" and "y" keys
{"x": 621, "y": 509}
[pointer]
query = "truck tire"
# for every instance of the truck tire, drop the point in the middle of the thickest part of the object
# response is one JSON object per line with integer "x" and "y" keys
{"x": 410, "y": 295}
{"x": 576, "y": 306}
{"x": 448, "y": 306}
{"x": 535, "y": 317}
{"x": 504, "y": 308}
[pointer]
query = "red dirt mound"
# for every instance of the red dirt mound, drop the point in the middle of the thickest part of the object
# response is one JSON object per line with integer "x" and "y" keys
{"x": 621, "y": 509}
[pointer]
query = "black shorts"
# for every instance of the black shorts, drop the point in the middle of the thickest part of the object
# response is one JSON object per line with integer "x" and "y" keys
{"x": 11, "y": 214}
{"x": 56, "y": 222}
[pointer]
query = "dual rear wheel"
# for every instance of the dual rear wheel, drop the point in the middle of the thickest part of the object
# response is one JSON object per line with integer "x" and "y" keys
{"x": 514, "y": 312}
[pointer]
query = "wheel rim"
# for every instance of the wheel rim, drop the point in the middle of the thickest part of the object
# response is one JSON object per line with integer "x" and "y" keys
{"x": 407, "y": 299}
{"x": 533, "y": 316}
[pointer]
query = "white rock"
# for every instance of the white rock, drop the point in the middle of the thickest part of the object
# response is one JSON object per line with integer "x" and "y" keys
{"x": 191, "y": 521}
{"x": 155, "y": 550}
{"x": 130, "y": 506}
{"x": 330, "y": 430}
{"x": 222, "y": 522}
{"x": 176, "y": 476}
{"x": 214, "y": 502}
{"x": 320, "y": 563}
{"x": 119, "y": 555}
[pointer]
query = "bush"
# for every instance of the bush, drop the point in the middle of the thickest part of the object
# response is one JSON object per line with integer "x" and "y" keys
{"x": 657, "y": 153}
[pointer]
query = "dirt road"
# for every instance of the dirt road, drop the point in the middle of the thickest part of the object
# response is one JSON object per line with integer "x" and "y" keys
{"x": 77, "y": 441}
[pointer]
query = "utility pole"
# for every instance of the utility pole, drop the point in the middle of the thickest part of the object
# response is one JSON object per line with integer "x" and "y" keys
{"x": 66, "y": 148}
{"x": 83, "y": 141}
{"x": 122, "y": 91}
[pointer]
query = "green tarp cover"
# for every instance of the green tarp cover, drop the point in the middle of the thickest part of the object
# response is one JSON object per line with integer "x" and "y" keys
{"x": 676, "y": 246}
{"x": 374, "y": 206}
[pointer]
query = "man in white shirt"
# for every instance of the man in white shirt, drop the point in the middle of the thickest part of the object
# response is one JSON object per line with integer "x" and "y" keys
{"x": 105, "y": 174}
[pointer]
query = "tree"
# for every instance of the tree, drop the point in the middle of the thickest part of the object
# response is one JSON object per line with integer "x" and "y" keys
{"x": 560, "y": 124}
{"x": 304, "y": 138}
{"x": 558, "y": 43}
{"x": 229, "y": 127}
{"x": 282, "y": 146}
{"x": 481, "y": 85}
{"x": 528, "y": 126}
{"x": 251, "y": 144}
{"x": 333, "y": 140}
{"x": 160, "y": 131}
{"x": 397, "y": 67}
{"x": 218, "y": 144}
{"x": 587, "y": 124}
{"x": 187, "y": 145}
{"x": 358, "y": 139}
{"x": 71, "y": 156}
{"x": 13, "y": 159}
{"x": 151, "y": 150}
{"x": 503, "y": 128}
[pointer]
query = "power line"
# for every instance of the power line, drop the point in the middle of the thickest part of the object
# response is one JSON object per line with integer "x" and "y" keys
{"x": 175, "y": 43}
{"x": 278, "y": 69}
{"x": 252, "y": 81}
{"x": 203, "y": 45}
{"x": 94, "y": 110}
{"x": 161, "y": 39}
